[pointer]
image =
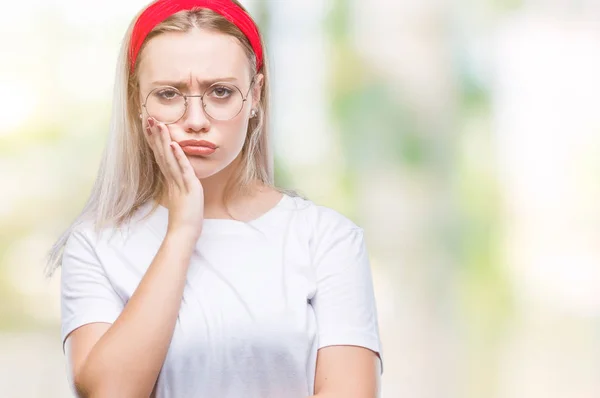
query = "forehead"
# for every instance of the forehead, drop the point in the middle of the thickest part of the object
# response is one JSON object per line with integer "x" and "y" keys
{"x": 197, "y": 55}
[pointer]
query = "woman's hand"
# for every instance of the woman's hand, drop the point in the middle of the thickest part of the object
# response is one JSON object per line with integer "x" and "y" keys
{"x": 185, "y": 192}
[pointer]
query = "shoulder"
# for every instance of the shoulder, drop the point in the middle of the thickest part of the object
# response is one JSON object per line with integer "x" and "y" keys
{"x": 91, "y": 233}
{"x": 113, "y": 256}
{"x": 82, "y": 233}
{"x": 324, "y": 227}
{"x": 320, "y": 217}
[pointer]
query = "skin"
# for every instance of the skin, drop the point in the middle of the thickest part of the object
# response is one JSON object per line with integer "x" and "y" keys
{"x": 194, "y": 58}
{"x": 104, "y": 359}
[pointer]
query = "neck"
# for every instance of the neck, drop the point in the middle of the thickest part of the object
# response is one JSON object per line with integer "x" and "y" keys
{"x": 214, "y": 191}
{"x": 214, "y": 187}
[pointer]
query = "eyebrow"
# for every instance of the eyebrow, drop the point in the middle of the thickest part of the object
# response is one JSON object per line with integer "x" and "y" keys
{"x": 184, "y": 83}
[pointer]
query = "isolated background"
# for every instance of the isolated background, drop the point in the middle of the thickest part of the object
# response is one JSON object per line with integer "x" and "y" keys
{"x": 461, "y": 135}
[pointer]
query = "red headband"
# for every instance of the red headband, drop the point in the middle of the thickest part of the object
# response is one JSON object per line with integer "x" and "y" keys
{"x": 160, "y": 10}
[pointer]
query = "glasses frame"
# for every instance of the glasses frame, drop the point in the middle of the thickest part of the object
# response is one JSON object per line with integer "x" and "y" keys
{"x": 201, "y": 96}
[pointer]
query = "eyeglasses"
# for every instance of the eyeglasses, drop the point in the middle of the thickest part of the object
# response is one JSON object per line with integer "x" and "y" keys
{"x": 220, "y": 101}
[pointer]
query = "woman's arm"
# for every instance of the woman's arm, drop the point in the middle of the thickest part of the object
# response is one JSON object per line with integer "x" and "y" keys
{"x": 349, "y": 354}
{"x": 125, "y": 358}
{"x": 347, "y": 372}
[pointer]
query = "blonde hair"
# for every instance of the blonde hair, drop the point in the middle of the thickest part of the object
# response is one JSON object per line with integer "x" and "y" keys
{"x": 128, "y": 175}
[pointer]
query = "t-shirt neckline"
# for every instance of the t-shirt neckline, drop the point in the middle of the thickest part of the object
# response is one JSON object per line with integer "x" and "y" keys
{"x": 224, "y": 224}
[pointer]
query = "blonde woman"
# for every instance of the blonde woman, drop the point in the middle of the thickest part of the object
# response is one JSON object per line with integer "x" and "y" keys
{"x": 188, "y": 273}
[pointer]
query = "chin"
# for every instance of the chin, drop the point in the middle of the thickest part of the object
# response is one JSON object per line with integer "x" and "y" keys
{"x": 205, "y": 172}
{"x": 204, "y": 167}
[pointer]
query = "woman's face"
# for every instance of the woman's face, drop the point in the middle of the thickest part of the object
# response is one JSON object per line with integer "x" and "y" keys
{"x": 192, "y": 62}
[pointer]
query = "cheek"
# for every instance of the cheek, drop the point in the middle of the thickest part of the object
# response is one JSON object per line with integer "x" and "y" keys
{"x": 234, "y": 133}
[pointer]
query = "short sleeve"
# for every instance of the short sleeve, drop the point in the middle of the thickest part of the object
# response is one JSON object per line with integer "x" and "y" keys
{"x": 87, "y": 295}
{"x": 344, "y": 301}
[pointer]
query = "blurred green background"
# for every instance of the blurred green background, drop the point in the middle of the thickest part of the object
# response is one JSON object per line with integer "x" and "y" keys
{"x": 462, "y": 136}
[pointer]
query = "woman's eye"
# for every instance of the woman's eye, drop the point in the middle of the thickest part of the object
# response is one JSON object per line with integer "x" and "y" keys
{"x": 221, "y": 92}
{"x": 168, "y": 94}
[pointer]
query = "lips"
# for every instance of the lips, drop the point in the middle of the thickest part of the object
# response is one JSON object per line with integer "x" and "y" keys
{"x": 197, "y": 143}
{"x": 198, "y": 147}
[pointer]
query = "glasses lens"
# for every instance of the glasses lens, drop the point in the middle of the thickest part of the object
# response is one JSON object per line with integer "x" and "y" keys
{"x": 223, "y": 101}
{"x": 165, "y": 104}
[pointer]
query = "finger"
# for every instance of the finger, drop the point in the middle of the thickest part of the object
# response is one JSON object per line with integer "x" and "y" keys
{"x": 169, "y": 158}
{"x": 148, "y": 136}
{"x": 156, "y": 145}
{"x": 154, "y": 141}
{"x": 154, "y": 138}
{"x": 187, "y": 171}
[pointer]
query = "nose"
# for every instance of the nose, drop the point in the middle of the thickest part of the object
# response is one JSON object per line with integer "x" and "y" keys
{"x": 195, "y": 119}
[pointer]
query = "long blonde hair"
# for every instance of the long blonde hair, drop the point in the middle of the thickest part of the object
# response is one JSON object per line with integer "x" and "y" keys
{"x": 128, "y": 175}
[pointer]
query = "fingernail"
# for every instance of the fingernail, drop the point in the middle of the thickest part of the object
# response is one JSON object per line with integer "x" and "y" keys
{"x": 148, "y": 131}
{"x": 151, "y": 122}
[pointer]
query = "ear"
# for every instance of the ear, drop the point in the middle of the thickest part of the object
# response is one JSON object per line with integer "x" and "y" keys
{"x": 257, "y": 89}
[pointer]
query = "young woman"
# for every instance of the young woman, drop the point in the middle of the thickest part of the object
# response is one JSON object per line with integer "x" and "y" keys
{"x": 188, "y": 273}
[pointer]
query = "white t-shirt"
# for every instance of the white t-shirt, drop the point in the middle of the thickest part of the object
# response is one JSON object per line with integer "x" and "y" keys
{"x": 260, "y": 299}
